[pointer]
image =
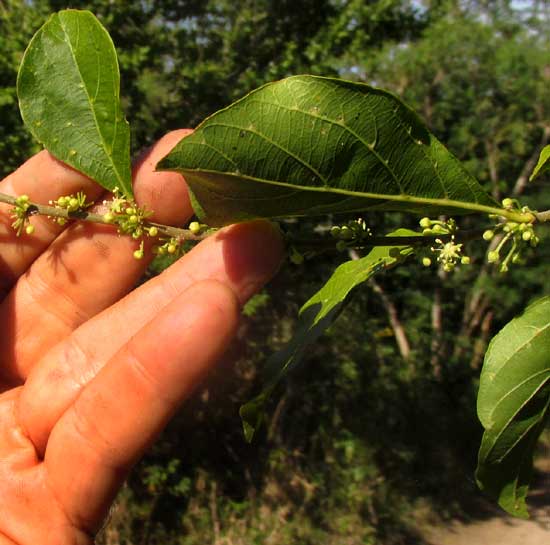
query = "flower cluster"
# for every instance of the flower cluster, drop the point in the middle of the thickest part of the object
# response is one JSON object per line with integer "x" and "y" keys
{"x": 171, "y": 246}
{"x": 72, "y": 203}
{"x": 449, "y": 252}
{"x": 351, "y": 234}
{"x": 515, "y": 237}
{"x": 128, "y": 217}
{"x": 21, "y": 212}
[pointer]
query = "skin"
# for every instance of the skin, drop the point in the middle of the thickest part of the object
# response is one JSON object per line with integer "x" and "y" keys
{"x": 92, "y": 371}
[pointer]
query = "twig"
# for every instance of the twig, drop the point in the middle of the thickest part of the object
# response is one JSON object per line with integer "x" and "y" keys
{"x": 83, "y": 215}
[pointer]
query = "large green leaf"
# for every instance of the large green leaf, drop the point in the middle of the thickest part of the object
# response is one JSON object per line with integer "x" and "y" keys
{"x": 513, "y": 405}
{"x": 309, "y": 145}
{"x": 317, "y": 314}
{"x": 543, "y": 163}
{"x": 69, "y": 87}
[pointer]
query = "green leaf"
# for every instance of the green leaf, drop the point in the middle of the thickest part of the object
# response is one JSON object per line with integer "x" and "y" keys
{"x": 542, "y": 165}
{"x": 513, "y": 405}
{"x": 316, "y": 316}
{"x": 69, "y": 95}
{"x": 309, "y": 145}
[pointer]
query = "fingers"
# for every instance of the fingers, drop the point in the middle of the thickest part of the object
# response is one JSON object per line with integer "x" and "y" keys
{"x": 84, "y": 270}
{"x": 162, "y": 192}
{"x": 42, "y": 178}
{"x": 243, "y": 257}
{"x": 127, "y": 404}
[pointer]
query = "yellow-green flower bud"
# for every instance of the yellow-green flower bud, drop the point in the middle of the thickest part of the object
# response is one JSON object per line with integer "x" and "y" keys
{"x": 153, "y": 231}
{"x": 439, "y": 230}
{"x": 195, "y": 227}
{"x": 133, "y": 219}
{"x": 73, "y": 204}
{"x": 465, "y": 260}
{"x": 507, "y": 203}
{"x": 171, "y": 248}
{"x": 346, "y": 233}
{"x": 425, "y": 223}
{"x": 426, "y": 261}
{"x": 335, "y": 231}
{"x": 22, "y": 199}
{"x": 527, "y": 235}
{"x": 493, "y": 256}
{"x": 108, "y": 217}
{"x": 29, "y": 229}
{"x": 138, "y": 254}
{"x": 488, "y": 235}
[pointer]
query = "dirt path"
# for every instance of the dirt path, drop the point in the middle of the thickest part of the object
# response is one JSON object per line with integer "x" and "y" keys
{"x": 495, "y": 531}
{"x": 498, "y": 529}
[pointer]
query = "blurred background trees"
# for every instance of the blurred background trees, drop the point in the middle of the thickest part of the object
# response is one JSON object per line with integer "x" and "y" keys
{"x": 369, "y": 432}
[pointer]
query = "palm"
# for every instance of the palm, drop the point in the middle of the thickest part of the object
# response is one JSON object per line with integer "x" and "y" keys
{"x": 89, "y": 379}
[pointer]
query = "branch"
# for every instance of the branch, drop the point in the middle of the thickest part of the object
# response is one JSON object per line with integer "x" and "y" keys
{"x": 83, "y": 215}
{"x": 303, "y": 244}
{"x": 393, "y": 317}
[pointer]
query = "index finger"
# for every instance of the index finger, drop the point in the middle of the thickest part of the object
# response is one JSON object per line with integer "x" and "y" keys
{"x": 127, "y": 404}
{"x": 42, "y": 178}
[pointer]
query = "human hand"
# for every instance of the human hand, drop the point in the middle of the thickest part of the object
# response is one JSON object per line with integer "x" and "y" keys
{"x": 89, "y": 376}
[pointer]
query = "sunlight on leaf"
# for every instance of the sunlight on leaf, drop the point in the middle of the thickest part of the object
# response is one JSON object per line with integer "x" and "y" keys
{"x": 514, "y": 405}
{"x": 542, "y": 165}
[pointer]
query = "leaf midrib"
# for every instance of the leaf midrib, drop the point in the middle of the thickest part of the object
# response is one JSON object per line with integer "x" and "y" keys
{"x": 527, "y": 430}
{"x": 404, "y": 198}
{"x": 90, "y": 102}
{"x": 506, "y": 425}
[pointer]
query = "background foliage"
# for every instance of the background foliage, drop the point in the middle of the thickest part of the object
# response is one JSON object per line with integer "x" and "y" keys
{"x": 380, "y": 421}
